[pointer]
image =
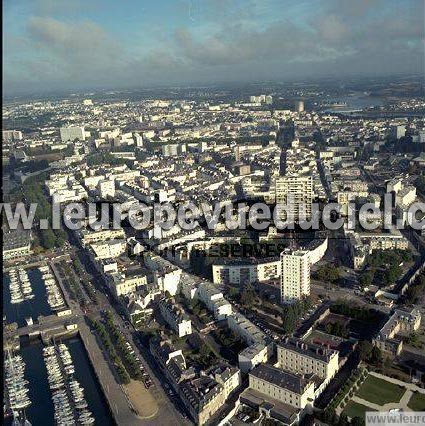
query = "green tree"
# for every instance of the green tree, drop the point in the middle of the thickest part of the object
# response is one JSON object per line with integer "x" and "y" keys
{"x": 329, "y": 416}
{"x": 288, "y": 321}
{"x": 357, "y": 421}
{"x": 248, "y": 295}
{"x": 48, "y": 238}
{"x": 60, "y": 237}
{"x": 328, "y": 273}
{"x": 376, "y": 355}
{"x": 366, "y": 279}
{"x": 343, "y": 420}
{"x": 365, "y": 348}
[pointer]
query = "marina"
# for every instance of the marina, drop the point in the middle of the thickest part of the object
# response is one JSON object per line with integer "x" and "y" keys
{"x": 16, "y": 390}
{"x": 54, "y": 295}
{"x": 66, "y": 391}
{"x": 20, "y": 286}
{"x": 27, "y": 308}
{"x": 60, "y": 396}
{"x": 70, "y": 405}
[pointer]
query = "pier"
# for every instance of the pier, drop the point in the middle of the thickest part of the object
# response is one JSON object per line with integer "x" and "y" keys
{"x": 49, "y": 327}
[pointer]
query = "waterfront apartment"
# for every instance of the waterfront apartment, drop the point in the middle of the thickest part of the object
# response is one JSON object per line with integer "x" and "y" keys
{"x": 228, "y": 376}
{"x": 122, "y": 284}
{"x": 203, "y": 397}
{"x": 202, "y": 394}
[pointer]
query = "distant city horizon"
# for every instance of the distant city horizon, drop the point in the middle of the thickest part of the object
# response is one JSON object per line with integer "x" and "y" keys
{"x": 413, "y": 78}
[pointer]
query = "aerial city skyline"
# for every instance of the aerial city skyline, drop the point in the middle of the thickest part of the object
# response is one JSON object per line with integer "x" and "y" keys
{"x": 213, "y": 213}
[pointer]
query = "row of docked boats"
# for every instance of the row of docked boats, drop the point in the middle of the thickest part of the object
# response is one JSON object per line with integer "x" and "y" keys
{"x": 54, "y": 294}
{"x": 16, "y": 384}
{"x": 70, "y": 405}
{"x": 20, "y": 286}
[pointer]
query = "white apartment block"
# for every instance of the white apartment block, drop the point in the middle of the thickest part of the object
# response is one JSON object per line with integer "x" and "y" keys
{"x": 168, "y": 281}
{"x": 227, "y": 376}
{"x": 11, "y": 135}
{"x": 253, "y": 355}
{"x": 295, "y": 279}
{"x": 259, "y": 271}
{"x": 69, "y": 134}
{"x": 399, "y": 322}
{"x": 88, "y": 236}
{"x": 297, "y": 192}
{"x": 214, "y": 300}
{"x": 406, "y": 196}
{"x": 244, "y": 328}
{"x": 122, "y": 285}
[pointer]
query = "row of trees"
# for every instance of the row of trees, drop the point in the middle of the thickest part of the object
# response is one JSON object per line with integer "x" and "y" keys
{"x": 420, "y": 183}
{"x": 388, "y": 257}
{"x": 337, "y": 329}
{"x": 100, "y": 158}
{"x": 343, "y": 396}
{"x": 33, "y": 193}
{"x": 115, "y": 359}
{"x": 369, "y": 353}
{"x": 384, "y": 267}
{"x": 88, "y": 286}
{"x": 356, "y": 312}
{"x": 129, "y": 360}
{"x": 73, "y": 285}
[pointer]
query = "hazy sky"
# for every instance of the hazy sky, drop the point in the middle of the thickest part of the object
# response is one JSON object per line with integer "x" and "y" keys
{"x": 71, "y": 44}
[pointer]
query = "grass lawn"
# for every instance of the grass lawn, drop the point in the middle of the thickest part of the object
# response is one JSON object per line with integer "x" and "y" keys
{"x": 380, "y": 391}
{"x": 353, "y": 409}
{"x": 417, "y": 402}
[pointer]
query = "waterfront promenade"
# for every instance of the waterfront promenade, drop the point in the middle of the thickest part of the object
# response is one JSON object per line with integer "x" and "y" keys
{"x": 118, "y": 401}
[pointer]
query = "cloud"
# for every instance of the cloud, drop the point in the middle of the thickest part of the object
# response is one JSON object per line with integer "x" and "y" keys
{"x": 80, "y": 51}
{"x": 337, "y": 38}
{"x": 63, "y": 7}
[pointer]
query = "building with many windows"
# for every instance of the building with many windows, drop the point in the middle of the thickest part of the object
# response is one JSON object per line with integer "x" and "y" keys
{"x": 289, "y": 388}
{"x": 69, "y": 134}
{"x": 302, "y": 357}
{"x": 16, "y": 244}
{"x": 295, "y": 279}
{"x": 297, "y": 193}
{"x": 258, "y": 271}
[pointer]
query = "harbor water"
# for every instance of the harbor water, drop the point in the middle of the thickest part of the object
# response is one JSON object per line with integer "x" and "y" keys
{"x": 28, "y": 308}
{"x": 41, "y": 410}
